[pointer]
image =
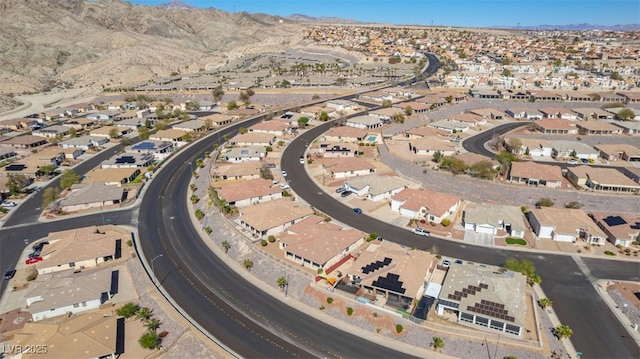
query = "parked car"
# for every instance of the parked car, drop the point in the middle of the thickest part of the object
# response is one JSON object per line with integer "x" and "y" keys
{"x": 340, "y": 189}
{"x": 584, "y": 160}
{"x": 284, "y": 173}
{"x": 446, "y": 263}
{"x": 346, "y": 193}
{"x": 33, "y": 260}
{"x": 284, "y": 186}
{"x": 572, "y": 162}
{"x": 421, "y": 232}
{"x": 9, "y": 274}
{"x": 357, "y": 211}
{"x": 34, "y": 254}
{"x": 458, "y": 261}
{"x": 38, "y": 246}
{"x": 8, "y": 204}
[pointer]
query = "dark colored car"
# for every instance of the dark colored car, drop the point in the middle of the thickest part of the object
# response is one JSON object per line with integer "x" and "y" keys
{"x": 340, "y": 189}
{"x": 346, "y": 193}
{"x": 34, "y": 254}
{"x": 357, "y": 211}
{"x": 9, "y": 274}
{"x": 38, "y": 246}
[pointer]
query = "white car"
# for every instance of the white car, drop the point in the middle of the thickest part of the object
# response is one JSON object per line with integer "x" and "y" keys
{"x": 8, "y": 204}
{"x": 421, "y": 232}
{"x": 284, "y": 173}
{"x": 301, "y": 160}
{"x": 284, "y": 186}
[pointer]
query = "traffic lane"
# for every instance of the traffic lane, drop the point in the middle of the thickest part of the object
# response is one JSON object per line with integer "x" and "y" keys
{"x": 273, "y": 325}
{"x": 613, "y": 269}
{"x": 475, "y": 144}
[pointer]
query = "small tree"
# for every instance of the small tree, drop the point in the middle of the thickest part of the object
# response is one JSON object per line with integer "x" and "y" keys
{"x": 17, "y": 183}
{"x": 626, "y": 114}
{"x": 73, "y": 132}
{"x": 437, "y": 156}
{"x": 199, "y": 214}
{"x": 232, "y": 105}
{"x": 49, "y": 196}
{"x": 194, "y": 199}
{"x": 143, "y": 133}
{"x": 152, "y": 324}
{"x": 545, "y": 302}
{"x": 226, "y": 245}
{"x": 437, "y": 343}
{"x": 248, "y": 264}
{"x": 69, "y": 178}
{"x": 323, "y": 116}
{"x": 302, "y": 122}
{"x": 128, "y": 310}
{"x": 282, "y": 282}
{"x": 545, "y": 202}
{"x": 563, "y": 331}
{"x": 149, "y": 340}
{"x": 114, "y": 133}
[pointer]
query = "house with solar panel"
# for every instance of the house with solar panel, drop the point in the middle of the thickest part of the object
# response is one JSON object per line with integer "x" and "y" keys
{"x": 485, "y": 296}
{"x": 391, "y": 274}
{"x": 129, "y": 160}
{"x": 158, "y": 149}
{"x": 243, "y": 154}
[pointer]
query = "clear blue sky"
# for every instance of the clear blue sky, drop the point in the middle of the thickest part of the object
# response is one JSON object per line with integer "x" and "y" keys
{"x": 473, "y": 13}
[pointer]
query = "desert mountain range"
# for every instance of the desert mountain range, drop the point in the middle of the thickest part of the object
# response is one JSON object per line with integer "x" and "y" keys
{"x": 56, "y": 44}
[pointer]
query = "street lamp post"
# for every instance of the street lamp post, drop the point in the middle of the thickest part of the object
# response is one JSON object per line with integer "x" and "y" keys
{"x": 153, "y": 274}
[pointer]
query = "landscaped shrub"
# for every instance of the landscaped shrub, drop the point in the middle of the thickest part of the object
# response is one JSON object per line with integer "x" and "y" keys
{"x": 518, "y": 241}
{"x": 446, "y": 222}
{"x": 349, "y": 311}
{"x": 329, "y": 300}
{"x": 271, "y": 238}
{"x": 399, "y": 328}
{"x": 263, "y": 242}
{"x": 609, "y": 253}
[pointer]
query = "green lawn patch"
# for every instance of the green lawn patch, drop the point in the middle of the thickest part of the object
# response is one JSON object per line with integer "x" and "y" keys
{"x": 517, "y": 241}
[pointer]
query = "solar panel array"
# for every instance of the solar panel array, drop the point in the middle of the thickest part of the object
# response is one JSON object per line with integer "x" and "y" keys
{"x": 375, "y": 265}
{"x": 469, "y": 290}
{"x": 126, "y": 159}
{"x": 15, "y": 167}
{"x": 389, "y": 283}
{"x": 492, "y": 309}
{"x": 145, "y": 146}
{"x": 614, "y": 221}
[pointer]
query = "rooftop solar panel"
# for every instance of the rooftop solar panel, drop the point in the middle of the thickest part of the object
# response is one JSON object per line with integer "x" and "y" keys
{"x": 614, "y": 221}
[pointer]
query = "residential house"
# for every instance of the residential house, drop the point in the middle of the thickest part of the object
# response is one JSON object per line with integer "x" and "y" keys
{"x": 485, "y": 296}
{"x": 386, "y": 114}
{"x": 541, "y": 95}
{"x": 129, "y": 160}
{"x": 450, "y": 126}
{"x": 345, "y": 134}
{"x": 565, "y": 149}
{"x": 556, "y": 126}
{"x": 315, "y": 111}
{"x": 160, "y": 150}
{"x": 56, "y": 294}
{"x": 329, "y": 150}
{"x": 490, "y": 218}
{"x": 391, "y": 270}
{"x": 218, "y": 119}
{"x": 427, "y": 146}
{"x": 16, "y": 124}
{"x": 529, "y": 147}
{"x": 470, "y": 118}
{"x": 416, "y": 107}
{"x": 558, "y": 112}
{"x": 88, "y": 335}
{"x": 243, "y": 154}
{"x": 376, "y": 96}
{"x": 425, "y": 204}
{"x": 616, "y": 111}
{"x": 237, "y": 171}
{"x": 112, "y": 176}
{"x": 79, "y": 123}
{"x": 72, "y": 153}
{"x": 84, "y": 142}
{"x": 518, "y": 112}
{"x": 25, "y": 142}
{"x": 345, "y": 167}
{"x": 598, "y": 128}
{"x": 614, "y": 152}
{"x": 190, "y": 126}
{"x": 55, "y": 131}
{"x": 249, "y": 192}
{"x": 253, "y": 139}
{"x": 108, "y": 115}
{"x": 342, "y": 105}
{"x": 91, "y": 195}
{"x": 489, "y": 113}
{"x": 176, "y": 137}
{"x": 133, "y": 123}
{"x": 589, "y": 113}
{"x": 81, "y": 248}
{"x": 629, "y": 127}
{"x": 272, "y": 217}
{"x": 127, "y": 116}
{"x": 564, "y": 225}
{"x": 108, "y": 131}
{"x": 622, "y": 229}
{"x": 630, "y": 97}
{"x": 318, "y": 244}
{"x": 484, "y": 94}
{"x": 601, "y": 179}
{"x": 7, "y": 153}
{"x": 535, "y": 174}
{"x": 376, "y": 187}
{"x": 273, "y": 127}
{"x": 364, "y": 122}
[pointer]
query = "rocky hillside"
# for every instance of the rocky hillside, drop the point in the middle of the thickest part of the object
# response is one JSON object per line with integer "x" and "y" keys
{"x": 49, "y": 44}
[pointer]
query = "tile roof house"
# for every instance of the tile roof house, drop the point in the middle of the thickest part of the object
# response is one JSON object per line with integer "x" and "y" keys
{"x": 485, "y": 296}
{"x": 530, "y": 147}
{"x": 170, "y": 135}
{"x": 81, "y": 248}
{"x": 25, "y": 142}
{"x": 91, "y": 195}
{"x": 67, "y": 292}
{"x": 601, "y": 179}
{"x": 345, "y": 167}
{"x": 597, "y": 127}
{"x": 273, "y": 127}
{"x": 52, "y": 131}
{"x": 364, "y": 122}
{"x": 105, "y": 131}
{"x": 489, "y": 218}
{"x": 622, "y": 229}
{"x": 243, "y": 154}
{"x": 253, "y": 139}
{"x": 425, "y": 204}
{"x": 218, "y": 119}
{"x": 450, "y": 125}
{"x": 376, "y": 187}
{"x": 129, "y": 160}
{"x": 556, "y": 126}
{"x": 558, "y": 112}
{"x": 190, "y": 126}
{"x": 565, "y": 149}
{"x": 614, "y": 152}
{"x": 389, "y": 269}
{"x": 330, "y": 150}
{"x": 564, "y": 225}
{"x": 315, "y": 243}
{"x": 272, "y": 217}
{"x": 489, "y": 113}
{"x": 160, "y": 150}
{"x": 427, "y": 146}
{"x": 88, "y": 335}
{"x": 112, "y": 176}
{"x": 536, "y": 174}
{"x": 345, "y": 134}
{"x": 84, "y": 142}
{"x": 249, "y": 192}
{"x": 237, "y": 171}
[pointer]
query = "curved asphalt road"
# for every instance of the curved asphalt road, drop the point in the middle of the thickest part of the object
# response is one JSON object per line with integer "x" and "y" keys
{"x": 596, "y": 331}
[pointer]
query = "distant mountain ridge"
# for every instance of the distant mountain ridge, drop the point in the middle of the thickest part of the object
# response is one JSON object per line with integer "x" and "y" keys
{"x": 577, "y": 27}
{"x": 323, "y": 19}
{"x": 176, "y": 4}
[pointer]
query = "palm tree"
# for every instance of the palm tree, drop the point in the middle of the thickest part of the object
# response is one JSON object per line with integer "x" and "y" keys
{"x": 248, "y": 263}
{"x": 563, "y": 331}
{"x": 152, "y": 325}
{"x": 437, "y": 343}
{"x": 282, "y": 282}
{"x": 143, "y": 314}
{"x": 226, "y": 245}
